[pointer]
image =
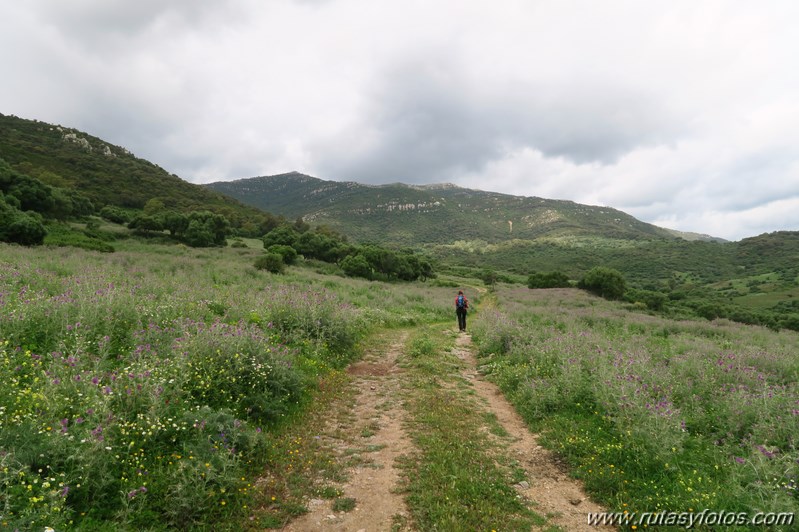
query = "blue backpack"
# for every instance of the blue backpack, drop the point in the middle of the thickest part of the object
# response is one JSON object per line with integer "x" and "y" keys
{"x": 461, "y": 301}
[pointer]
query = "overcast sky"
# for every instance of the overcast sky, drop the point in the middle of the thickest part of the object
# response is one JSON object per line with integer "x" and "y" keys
{"x": 684, "y": 114}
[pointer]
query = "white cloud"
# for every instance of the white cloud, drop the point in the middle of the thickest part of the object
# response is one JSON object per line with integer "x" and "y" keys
{"x": 684, "y": 113}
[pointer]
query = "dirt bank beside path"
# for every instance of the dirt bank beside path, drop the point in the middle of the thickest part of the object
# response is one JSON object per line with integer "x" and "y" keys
{"x": 557, "y": 496}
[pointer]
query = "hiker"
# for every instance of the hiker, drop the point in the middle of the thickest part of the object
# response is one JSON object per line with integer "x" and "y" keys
{"x": 461, "y": 306}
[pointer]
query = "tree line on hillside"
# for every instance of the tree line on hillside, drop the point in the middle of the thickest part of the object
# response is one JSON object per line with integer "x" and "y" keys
{"x": 31, "y": 209}
{"x": 26, "y": 203}
{"x": 286, "y": 242}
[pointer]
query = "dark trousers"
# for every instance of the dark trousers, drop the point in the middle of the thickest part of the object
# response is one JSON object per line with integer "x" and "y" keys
{"x": 461, "y": 312}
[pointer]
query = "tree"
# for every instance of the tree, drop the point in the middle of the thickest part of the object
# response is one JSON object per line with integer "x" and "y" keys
{"x": 356, "y": 266}
{"x": 314, "y": 245}
{"x": 81, "y": 205}
{"x": 604, "y": 282}
{"x": 288, "y": 253}
{"x": 32, "y": 194}
{"x": 20, "y": 227}
{"x": 271, "y": 262}
{"x": 115, "y": 214}
{"x": 62, "y": 204}
{"x": 198, "y": 236}
{"x": 144, "y": 223}
{"x": 206, "y": 229}
{"x": 489, "y": 277}
{"x": 154, "y": 206}
{"x": 269, "y": 222}
{"x": 652, "y": 299}
{"x": 300, "y": 225}
{"x": 176, "y": 223}
{"x": 26, "y": 230}
{"x": 282, "y": 234}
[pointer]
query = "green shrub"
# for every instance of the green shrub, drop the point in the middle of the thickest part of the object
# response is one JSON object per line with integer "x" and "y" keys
{"x": 271, "y": 262}
{"x": 288, "y": 253}
{"x": 115, "y": 214}
{"x": 23, "y": 229}
{"x": 282, "y": 234}
{"x": 651, "y": 299}
{"x": 489, "y": 277}
{"x": 206, "y": 229}
{"x": 356, "y": 266}
{"x": 62, "y": 235}
{"x": 253, "y": 378}
{"x": 315, "y": 318}
{"x": 604, "y": 282}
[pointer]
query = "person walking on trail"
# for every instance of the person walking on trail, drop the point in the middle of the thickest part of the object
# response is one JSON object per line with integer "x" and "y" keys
{"x": 461, "y": 307}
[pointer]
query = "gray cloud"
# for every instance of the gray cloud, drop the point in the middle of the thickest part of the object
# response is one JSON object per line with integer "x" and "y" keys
{"x": 687, "y": 116}
{"x": 97, "y": 25}
{"x": 427, "y": 122}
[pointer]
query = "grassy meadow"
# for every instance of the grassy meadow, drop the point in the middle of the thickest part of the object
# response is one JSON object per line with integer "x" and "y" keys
{"x": 147, "y": 389}
{"x": 653, "y": 414}
{"x": 154, "y": 388}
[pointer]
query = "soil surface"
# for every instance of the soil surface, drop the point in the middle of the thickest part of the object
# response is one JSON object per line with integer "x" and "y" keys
{"x": 372, "y": 442}
{"x": 372, "y": 437}
{"x": 553, "y": 493}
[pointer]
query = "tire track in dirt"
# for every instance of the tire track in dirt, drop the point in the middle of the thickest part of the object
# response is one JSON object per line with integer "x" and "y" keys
{"x": 556, "y": 495}
{"x": 372, "y": 442}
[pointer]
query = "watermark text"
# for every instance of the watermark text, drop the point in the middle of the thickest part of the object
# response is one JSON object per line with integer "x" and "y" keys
{"x": 691, "y": 519}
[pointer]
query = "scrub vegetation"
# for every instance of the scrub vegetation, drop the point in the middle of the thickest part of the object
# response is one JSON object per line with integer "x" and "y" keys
{"x": 653, "y": 414}
{"x": 152, "y": 385}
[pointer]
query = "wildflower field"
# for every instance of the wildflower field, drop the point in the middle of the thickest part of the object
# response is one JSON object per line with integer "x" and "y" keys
{"x": 145, "y": 389}
{"x": 655, "y": 415}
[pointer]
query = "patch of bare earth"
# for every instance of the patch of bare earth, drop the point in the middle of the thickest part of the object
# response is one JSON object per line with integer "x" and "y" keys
{"x": 370, "y": 439}
{"x": 555, "y": 495}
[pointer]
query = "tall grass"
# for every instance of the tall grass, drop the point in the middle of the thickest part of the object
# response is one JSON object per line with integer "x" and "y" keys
{"x": 148, "y": 386}
{"x": 653, "y": 414}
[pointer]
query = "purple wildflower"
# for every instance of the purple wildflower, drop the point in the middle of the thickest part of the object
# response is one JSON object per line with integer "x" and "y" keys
{"x": 766, "y": 452}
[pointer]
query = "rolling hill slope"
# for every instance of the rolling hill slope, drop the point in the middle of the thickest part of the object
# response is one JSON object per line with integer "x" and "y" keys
{"x": 105, "y": 173}
{"x": 439, "y": 214}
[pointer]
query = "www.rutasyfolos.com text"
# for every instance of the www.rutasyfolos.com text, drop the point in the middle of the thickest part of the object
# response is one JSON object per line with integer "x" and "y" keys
{"x": 691, "y": 519}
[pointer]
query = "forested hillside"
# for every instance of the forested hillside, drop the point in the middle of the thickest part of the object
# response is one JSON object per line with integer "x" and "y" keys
{"x": 440, "y": 214}
{"x": 106, "y": 174}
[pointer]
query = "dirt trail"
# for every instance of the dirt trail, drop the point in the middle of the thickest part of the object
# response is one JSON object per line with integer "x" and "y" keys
{"x": 371, "y": 437}
{"x": 371, "y": 443}
{"x": 556, "y": 495}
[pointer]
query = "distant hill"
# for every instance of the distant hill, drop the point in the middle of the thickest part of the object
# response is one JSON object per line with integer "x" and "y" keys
{"x": 466, "y": 231}
{"x": 687, "y": 235}
{"x": 412, "y": 214}
{"x": 106, "y": 174}
{"x": 470, "y": 229}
